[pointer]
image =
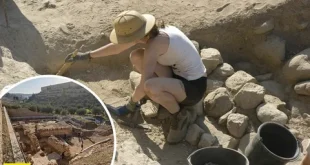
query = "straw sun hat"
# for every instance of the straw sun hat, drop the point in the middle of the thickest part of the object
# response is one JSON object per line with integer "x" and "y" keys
{"x": 131, "y": 26}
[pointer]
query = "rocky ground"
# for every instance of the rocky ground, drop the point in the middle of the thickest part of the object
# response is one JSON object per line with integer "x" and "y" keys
{"x": 256, "y": 53}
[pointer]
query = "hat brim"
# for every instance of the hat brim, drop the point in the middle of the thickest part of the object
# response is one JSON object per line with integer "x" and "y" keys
{"x": 150, "y": 22}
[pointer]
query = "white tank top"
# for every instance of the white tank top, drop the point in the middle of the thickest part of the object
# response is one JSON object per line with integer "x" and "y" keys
{"x": 182, "y": 55}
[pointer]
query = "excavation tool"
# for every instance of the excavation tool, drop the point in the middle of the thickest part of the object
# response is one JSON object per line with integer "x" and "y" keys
{"x": 5, "y": 13}
{"x": 67, "y": 65}
{"x": 131, "y": 120}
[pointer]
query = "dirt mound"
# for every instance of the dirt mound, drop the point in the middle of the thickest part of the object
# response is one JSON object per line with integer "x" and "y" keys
{"x": 46, "y": 36}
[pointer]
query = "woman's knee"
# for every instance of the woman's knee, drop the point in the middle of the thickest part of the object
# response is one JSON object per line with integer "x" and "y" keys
{"x": 150, "y": 86}
{"x": 136, "y": 56}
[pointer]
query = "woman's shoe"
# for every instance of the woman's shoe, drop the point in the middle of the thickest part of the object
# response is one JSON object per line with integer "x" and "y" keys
{"x": 179, "y": 126}
{"x": 130, "y": 107}
{"x": 123, "y": 111}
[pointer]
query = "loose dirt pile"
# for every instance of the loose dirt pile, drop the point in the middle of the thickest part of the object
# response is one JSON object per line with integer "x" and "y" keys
{"x": 258, "y": 72}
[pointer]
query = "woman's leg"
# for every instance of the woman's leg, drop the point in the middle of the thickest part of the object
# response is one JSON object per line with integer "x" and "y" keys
{"x": 167, "y": 92}
{"x": 136, "y": 58}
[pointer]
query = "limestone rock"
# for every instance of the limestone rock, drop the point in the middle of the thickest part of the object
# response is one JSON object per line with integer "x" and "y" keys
{"x": 303, "y": 88}
{"x": 134, "y": 79}
{"x": 223, "y": 119}
{"x": 264, "y": 27}
{"x": 193, "y": 134}
{"x": 264, "y": 77}
{"x": 298, "y": 68}
{"x": 211, "y": 58}
{"x": 212, "y": 85}
{"x": 150, "y": 109}
{"x": 275, "y": 101}
{"x": 233, "y": 143}
{"x": 245, "y": 140}
{"x": 237, "y": 80}
{"x": 221, "y": 72}
{"x": 271, "y": 51}
{"x": 196, "y": 44}
{"x": 249, "y": 96}
{"x": 211, "y": 126}
{"x": 275, "y": 89}
{"x": 268, "y": 112}
{"x": 237, "y": 124}
{"x": 306, "y": 118}
{"x": 206, "y": 140}
{"x": 218, "y": 102}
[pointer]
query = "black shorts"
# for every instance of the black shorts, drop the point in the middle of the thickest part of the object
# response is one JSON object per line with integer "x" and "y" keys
{"x": 194, "y": 89}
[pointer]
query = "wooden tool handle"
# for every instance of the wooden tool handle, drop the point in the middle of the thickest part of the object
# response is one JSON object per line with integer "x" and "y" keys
{"x": 76, "y": 51}
{"x": 67, "y": 65}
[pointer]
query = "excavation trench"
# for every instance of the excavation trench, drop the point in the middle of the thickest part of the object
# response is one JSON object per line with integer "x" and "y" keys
{"x": 234, "y": 37}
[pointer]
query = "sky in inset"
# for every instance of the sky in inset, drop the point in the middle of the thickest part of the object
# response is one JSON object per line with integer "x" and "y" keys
{"x": 34, "y": 85}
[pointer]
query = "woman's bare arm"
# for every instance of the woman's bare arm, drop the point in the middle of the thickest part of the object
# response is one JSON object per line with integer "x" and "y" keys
{"x": 111, "y": 49}
{"x": 151, "y": 54}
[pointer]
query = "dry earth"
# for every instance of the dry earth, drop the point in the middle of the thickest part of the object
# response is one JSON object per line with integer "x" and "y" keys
{"x": 40, "y": 36}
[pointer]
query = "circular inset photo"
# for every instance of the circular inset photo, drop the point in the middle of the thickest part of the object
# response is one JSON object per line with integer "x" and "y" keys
{"x": 53, "y": 120}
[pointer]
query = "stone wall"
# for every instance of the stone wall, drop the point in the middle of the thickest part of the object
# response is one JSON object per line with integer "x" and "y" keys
{"x": 59, "y": 145}
{"x": 56, "y": 131}
{"x": 35, "y": 145}
{"x": 48, "y": 129}
{"x": 30, "y": 132}
{"x": 18, "y": 155}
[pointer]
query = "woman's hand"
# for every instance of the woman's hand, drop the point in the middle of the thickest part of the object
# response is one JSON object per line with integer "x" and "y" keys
{"x": 79, "y": 57}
